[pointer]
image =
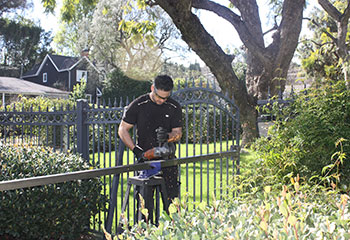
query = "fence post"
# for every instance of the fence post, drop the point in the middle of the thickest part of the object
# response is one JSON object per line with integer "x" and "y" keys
{"x": 82, "y": 129}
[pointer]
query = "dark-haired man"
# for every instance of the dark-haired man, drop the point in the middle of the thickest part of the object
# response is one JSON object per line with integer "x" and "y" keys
{"x": 148, "y": 113}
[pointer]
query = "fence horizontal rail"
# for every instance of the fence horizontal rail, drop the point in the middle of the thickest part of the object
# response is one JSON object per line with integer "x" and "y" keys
{"x": 86, "y": 174}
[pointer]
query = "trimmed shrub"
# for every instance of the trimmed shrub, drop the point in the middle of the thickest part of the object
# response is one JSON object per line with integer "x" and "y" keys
{"x": 293, "y": 211}
{"x": 55, "y": 211}
{"x": 303, "y": 139}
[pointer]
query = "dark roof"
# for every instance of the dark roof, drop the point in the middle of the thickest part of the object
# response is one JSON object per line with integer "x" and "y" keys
{"x": 33, "y": 70}
{"x": 12, "y": 85}
{"x": 63, "y": 62}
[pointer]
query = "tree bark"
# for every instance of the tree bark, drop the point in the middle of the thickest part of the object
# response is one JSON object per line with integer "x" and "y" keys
{"x": 267, "y": 66}
{"x": 342, "y": 20}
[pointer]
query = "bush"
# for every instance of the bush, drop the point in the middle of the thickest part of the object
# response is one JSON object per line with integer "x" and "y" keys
{"x": 121, "y": 86}
{"x": 55, "y": 211}
{"x": 262, "y": 209}
{"x": 303, "y": 139}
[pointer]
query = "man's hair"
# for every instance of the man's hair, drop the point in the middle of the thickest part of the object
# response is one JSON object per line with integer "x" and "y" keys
{"x": 164, "y": 82}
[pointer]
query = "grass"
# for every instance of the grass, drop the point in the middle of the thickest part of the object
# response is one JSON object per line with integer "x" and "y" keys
{"x": 216, "y": 175}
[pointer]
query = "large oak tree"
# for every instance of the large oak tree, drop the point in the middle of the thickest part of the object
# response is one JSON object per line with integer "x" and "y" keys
{"x": 267, "y": 64}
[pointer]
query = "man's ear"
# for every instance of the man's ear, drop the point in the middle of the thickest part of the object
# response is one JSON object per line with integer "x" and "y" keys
{"x": 152, "y": 88}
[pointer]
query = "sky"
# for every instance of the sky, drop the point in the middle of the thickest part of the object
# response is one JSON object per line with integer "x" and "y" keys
{"x": 223, "y": 32}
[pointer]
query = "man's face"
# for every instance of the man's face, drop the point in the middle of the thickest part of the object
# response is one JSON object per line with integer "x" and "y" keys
{"x": 159, "y": 96}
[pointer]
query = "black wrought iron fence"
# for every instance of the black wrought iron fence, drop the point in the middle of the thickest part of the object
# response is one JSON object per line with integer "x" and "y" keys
{"x": 211, "y": 126}
{"x": 281, "y": 100}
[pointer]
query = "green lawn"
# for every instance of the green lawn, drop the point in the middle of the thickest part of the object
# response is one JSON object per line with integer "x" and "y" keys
{"x": 215, "y": 174}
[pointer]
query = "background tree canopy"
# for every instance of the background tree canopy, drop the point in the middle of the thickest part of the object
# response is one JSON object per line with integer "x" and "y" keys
{"x": 24, "y": 43}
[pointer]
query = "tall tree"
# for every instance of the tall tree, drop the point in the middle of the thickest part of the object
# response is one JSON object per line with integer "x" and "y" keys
{"x": 266, "y": 65}
{"x": 73, "y": 15}
{"x": 25, "y": 43}
{"x": 12, "y": 5}
{"x": 130, "y": 39}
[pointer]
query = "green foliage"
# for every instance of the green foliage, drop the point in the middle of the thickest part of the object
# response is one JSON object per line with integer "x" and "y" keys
{"x": 79, "y": 91}
{"x": 25, "y": 43}
{"x": 303, "y": 139}
{"x": 39, "y": 103}
{"x": 323, "y": 58}
{"x": 56, "y": 211}
{"x": 118, "y": 85}
{"x": 179, "y": 72}
{"x": 262, "y": 209}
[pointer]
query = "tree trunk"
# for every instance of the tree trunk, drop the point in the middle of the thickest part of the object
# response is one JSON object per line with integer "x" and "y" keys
{"x": 267, "y": 66}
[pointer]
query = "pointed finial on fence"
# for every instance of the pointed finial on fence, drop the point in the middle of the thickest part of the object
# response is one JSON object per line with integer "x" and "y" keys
{"x": 127, "y": 100}
{"x": 208, "y": 85}
{"x": 121, "y": 102}
{"x": 200, "y": 82}
{"x": 268, "y": 92}
{"x": 104, "y": 103}
{"x": 292, "y": 91}
{"x": 115, "y": 102}
{"x": 109, "y": 102}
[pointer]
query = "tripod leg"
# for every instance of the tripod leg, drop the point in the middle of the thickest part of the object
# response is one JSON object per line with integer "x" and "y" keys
{"x": 125, "y": 202}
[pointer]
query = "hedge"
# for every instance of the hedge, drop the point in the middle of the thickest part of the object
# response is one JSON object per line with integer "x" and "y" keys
{"x": 56, "y": 211}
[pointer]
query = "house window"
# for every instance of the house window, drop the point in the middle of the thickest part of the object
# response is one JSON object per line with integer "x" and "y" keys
{"x": 44, "y": 77}
{"x": 81, "y": 74}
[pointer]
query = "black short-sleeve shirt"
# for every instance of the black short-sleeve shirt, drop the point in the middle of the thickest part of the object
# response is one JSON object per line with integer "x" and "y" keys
{"x": 147, "y": 116}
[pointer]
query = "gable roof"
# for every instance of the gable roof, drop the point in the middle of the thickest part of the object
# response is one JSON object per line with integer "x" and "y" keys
{"x": 12, "y": 85}
{"x": 61, "y": 64}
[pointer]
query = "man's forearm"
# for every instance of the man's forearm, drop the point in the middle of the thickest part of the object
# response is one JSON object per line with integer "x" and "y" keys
{"x": 124, "y": 135}
{"x": 127, "y": 140}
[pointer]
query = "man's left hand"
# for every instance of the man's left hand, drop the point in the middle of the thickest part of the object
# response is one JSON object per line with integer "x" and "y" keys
{"x": 162, "y": 135}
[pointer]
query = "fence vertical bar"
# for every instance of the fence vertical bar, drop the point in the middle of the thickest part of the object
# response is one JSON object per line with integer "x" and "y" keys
{"x": 115, "y": 184}
{"x": 82, "y": 129}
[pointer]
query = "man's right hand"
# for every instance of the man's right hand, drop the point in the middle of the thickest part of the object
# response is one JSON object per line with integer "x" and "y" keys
{"x": 138, "y": 151}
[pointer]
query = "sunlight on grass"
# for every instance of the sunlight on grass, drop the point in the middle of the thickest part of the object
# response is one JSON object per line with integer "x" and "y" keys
{"x": 198, "y": 180}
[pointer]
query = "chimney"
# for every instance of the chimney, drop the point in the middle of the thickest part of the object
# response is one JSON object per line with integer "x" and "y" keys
{"x": 85, "y": 52}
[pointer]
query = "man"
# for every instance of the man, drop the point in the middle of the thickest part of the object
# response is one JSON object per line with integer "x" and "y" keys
{"x": 148, "y": 113}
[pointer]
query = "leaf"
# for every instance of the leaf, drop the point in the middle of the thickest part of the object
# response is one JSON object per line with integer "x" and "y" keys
{"x": 292, "y": 220}
{"x": 283, "y": 209}
{"x": 202, "y": 206}
{"x": 172, "y": 209}
{"x": 267, "y": 189}
{"x": 263, "y": 225}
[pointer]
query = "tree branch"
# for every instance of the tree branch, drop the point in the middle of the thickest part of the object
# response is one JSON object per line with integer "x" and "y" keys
{"x": 346, "y": 13}
{"x": 330, "y": 9}
{"x": 275, "y": 27}
{"x": 236, "y": 21}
